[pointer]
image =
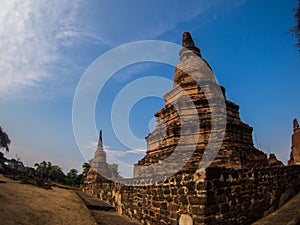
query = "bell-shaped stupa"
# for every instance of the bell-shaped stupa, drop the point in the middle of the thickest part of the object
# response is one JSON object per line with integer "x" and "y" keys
{"x": 99, "y": 163}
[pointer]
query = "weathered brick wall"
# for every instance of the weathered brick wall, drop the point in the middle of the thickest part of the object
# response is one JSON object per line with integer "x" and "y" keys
{"x": 214, "y": 196}
{"x": 158, "y": 203}
{"x": 243, "y": 196}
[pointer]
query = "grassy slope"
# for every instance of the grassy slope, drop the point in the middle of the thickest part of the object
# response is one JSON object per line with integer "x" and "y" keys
{"x": 29, "y": 205}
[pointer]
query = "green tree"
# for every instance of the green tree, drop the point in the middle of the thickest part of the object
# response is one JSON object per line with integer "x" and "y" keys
{"x": 16, "y": 164}
{"x": 29, "y": 171}
{"x": 85, "y": 168}
{"x": 72, "y": 177}
{"x": 113, "y": 169}
{"x": 4, "y": 140}
{"x": 42, "y": 169}
{"x": 45, "y": 170}
{"x": 56, "y": 174}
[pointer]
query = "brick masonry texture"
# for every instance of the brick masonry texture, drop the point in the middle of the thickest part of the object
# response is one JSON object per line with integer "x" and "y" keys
{"x": 240, "y": 185}
{"x": 195, "y": 81}
{"x": 211, "y": 196}
{"x": 295, "y": 153}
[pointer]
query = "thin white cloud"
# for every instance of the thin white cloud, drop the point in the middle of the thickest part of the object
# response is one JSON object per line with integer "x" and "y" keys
{"x": 34, "y": 36}
{"x": 31, "y": 34}
{"x": 92, "y": 145}
{"x": 116, "y": 153}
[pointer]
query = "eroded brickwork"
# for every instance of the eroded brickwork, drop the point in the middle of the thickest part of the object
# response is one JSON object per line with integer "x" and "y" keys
{"x": 211, "y": 196}
{"x": 273, "y": 161}
{"x": 239, "y": 187}
{"x": 295, "y": 153}
{"x": 195, "y": 81}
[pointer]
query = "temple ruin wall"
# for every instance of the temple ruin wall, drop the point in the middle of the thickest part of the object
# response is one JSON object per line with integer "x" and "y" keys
{"x": 211, "y": 196}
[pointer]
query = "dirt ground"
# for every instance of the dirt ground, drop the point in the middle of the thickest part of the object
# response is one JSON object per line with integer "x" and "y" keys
{"x": 29, "y": 205}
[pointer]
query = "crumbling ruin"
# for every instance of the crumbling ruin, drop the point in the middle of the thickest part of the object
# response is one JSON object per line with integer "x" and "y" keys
{"x": 295, "y": 153}
{"x": 240, "y": 185}
{"x": 237, "y": 150}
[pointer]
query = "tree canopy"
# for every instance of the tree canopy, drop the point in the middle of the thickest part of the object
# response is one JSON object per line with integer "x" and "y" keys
{"x": 45, "y": 170}
{"x": 4, "y": 140}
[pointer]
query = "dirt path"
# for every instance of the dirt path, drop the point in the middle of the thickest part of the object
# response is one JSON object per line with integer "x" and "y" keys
{"x": 103, "y": 213}
{"x": 288, "y": 214}
{"x": 29, "y": 205}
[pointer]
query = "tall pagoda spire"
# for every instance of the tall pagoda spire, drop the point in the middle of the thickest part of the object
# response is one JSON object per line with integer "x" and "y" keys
{"x": 99, "y": 163}
{"x": 100, "y": 142}
{"x": 295, "y": 124}
{"x": 188, "y": 46}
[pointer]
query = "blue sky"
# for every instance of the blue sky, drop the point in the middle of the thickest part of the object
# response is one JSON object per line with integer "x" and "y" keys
{"x": 46, "y": 47}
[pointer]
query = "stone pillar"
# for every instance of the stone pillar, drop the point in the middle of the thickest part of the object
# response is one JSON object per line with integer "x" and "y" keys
{"x": 295, "y": 153}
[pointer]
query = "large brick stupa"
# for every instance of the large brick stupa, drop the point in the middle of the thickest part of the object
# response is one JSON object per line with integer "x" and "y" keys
{"x": 194, "y": 81}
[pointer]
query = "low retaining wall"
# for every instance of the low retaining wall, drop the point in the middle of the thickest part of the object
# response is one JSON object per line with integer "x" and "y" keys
{"x": 211, "y": 196}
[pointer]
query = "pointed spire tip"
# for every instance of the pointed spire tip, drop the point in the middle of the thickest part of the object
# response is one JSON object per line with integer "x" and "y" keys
{"x": 188, "y": 46}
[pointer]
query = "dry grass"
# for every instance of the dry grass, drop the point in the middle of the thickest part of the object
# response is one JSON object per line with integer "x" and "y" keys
{"x": 29, "y": 205}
